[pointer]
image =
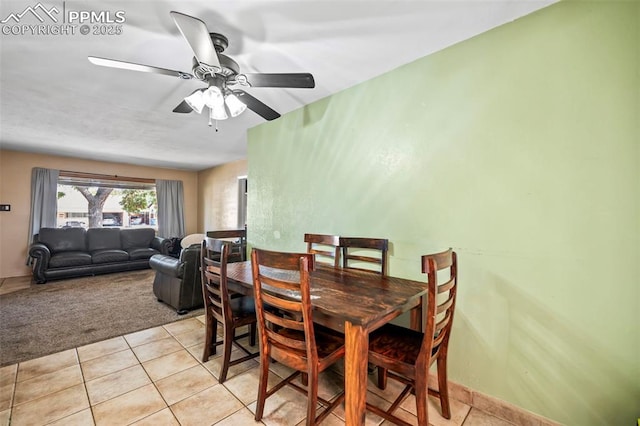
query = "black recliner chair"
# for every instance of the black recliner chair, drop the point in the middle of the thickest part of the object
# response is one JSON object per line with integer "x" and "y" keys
{"x": 177, "y": 282}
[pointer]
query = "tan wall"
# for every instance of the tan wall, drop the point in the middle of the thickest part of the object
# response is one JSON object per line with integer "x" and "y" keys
{"x": 15, "y": 189}
{"x": 218, "y": 196}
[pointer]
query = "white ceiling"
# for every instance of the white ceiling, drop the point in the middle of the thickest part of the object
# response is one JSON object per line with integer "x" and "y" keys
{"x": 53, "y": 100}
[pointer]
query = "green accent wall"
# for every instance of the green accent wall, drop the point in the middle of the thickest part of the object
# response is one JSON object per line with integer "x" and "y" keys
{"x": 519, "y": 148}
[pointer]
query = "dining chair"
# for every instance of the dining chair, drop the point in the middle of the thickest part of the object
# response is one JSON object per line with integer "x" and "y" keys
{"x": 359, "y": 250}
{"x": 238, "y": 251}
{"x": 231, "y": 310}
{"x": 324, "y": 247}
{"x": 405, "y": 355}
{"x": 287, "y": 332}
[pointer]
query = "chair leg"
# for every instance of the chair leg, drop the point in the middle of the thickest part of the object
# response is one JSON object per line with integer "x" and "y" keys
{"x": 312, "y": 396}
{"x": 382, "y": 378}
{"x": 262, "y": 385}
{"x": 214, "y": 335}
{"x": 304, "y": 379}
{"x": 210, "y": 339}
{"x": 229, "y": 334}
{"x": 443, "y": 387}
{"x": 252, "y": 334}
{"x": 422, "y": 394}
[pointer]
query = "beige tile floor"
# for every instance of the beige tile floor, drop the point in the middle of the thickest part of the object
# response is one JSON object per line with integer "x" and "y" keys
{"x": 155, "y": 377}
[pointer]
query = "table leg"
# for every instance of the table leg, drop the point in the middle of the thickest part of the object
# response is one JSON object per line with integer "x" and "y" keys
{"x": 356, "y": 356}
{"x": 418, "y": 320}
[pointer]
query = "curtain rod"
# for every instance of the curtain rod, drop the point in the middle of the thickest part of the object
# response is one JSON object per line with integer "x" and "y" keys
{"x": 69, "y": 173}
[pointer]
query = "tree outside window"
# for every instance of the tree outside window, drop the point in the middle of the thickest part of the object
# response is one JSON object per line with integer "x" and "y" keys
{"x": 102, "y": 206}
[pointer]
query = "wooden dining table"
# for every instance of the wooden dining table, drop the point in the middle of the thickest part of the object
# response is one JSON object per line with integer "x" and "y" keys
{"x": 354, "y": 302}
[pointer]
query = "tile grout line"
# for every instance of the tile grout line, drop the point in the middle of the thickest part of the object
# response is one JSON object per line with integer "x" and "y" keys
{"x": 84, "y": 384}
{"x": 13, "y": 394}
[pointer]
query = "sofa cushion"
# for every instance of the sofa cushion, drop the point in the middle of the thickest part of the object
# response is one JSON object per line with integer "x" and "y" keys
{"x": 63, "y": 239}
{"x": 136, "y": 238}
{"x": 69, "y": 258}
{"x": 141, "y": 253}
{"x": 103, "y": 239}
{"x": 109, "y": 256}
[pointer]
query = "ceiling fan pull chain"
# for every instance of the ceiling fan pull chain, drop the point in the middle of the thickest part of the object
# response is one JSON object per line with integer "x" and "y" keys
{"x": 211, "y": 119}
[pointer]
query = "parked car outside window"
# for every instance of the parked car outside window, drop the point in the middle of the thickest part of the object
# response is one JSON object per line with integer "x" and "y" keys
{"x": 109, "y": 221}
{"x": 74, "y": 224}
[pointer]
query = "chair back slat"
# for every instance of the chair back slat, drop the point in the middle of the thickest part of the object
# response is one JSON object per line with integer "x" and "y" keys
{"x": 288, "y": 342}
{"x": 283, "y": 322}
{"x": 211, "y": 267}
{"x": 444, "y": 306}
{"x": 438, "y": 341}
{"x": 352, "y": 253}
{"x": 280, "y": 283}
{"x": 446, "y": 286}
{"x": 280, "y": 303}
{"x": 324, "y": 247}
{"x": 443, "y": 323}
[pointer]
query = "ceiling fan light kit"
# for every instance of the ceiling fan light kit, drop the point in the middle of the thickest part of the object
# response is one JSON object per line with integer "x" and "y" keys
{"x": 235, "y": 106}
{"x": 219, "y": 72}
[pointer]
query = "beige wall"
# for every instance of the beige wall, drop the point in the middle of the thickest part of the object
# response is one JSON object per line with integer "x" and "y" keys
{"x": 218, "y": 196}
{"x": 15, "y": 182}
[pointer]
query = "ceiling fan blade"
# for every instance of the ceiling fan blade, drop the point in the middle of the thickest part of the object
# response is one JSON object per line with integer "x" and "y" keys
{"x": 112, "y": 63}
{"x": 256, "y": 106}
{"x": 197, "y": 35}
{"x": 183, "y": 108}
{"x": 296, "y": 80}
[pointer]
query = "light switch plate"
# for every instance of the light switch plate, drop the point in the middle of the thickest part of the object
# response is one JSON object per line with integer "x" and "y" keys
{"x": 5, "y": 207}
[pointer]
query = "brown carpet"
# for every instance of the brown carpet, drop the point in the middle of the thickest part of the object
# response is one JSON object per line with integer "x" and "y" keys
{"x": 65, "y": 314}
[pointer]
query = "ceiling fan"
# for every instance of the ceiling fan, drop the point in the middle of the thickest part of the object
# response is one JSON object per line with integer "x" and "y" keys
{"x": 219, "y": 71}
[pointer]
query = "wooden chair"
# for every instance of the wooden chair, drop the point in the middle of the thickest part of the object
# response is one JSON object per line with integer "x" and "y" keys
{"x": 287, "y": 332}
{"x": 324, "y": 247}
{"x": 231, "y": 310}
{"x": 352, "y": 251}
{"x": 406, "y": 355}
{"x": 238, "y": 252}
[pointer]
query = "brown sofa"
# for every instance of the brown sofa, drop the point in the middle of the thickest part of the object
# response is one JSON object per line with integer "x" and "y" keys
{"x": 72, "y": 252}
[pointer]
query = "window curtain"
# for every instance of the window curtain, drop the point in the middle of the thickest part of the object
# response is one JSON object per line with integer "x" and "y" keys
{"x": 44, "y": 201}
{"x": 170, "y": 208}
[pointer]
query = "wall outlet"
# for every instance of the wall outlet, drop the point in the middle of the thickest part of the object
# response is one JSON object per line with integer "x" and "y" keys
{"x": 5, "y": 207}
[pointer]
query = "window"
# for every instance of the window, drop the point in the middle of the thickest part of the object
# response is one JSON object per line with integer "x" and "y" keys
{"x": 90, "y": 201}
